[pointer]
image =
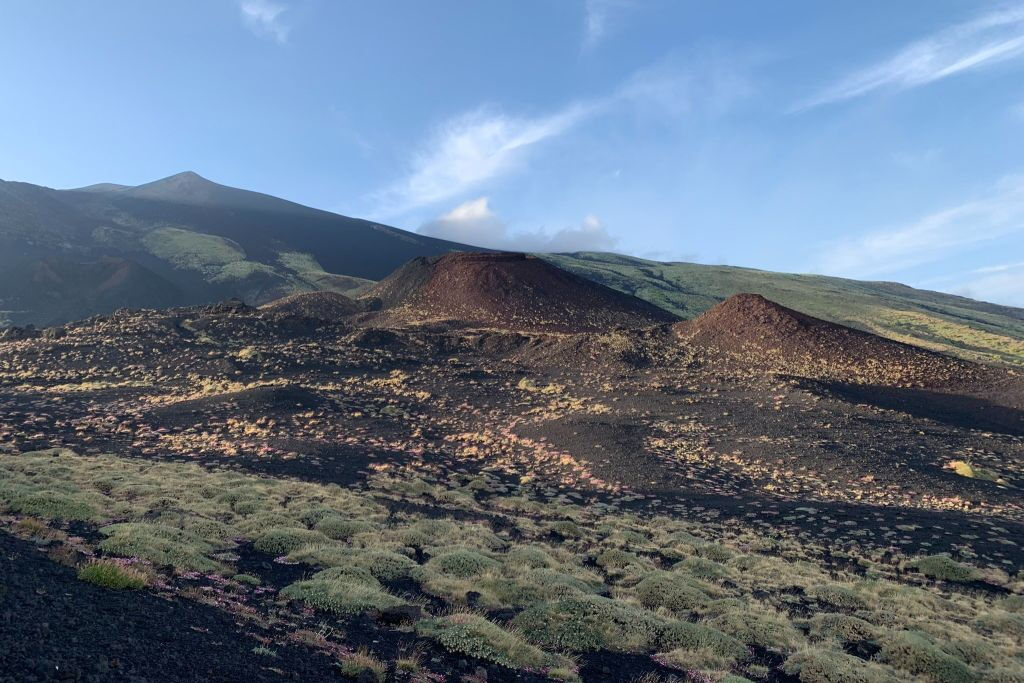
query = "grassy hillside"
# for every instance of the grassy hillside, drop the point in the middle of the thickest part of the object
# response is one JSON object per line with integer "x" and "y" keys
{"x": 183, "y": 240}
{"x": 943, "y": 322}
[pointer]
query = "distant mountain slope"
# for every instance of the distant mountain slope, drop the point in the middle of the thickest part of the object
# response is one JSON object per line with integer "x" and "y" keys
{"x": 181, "y": 240}
{"x": 970, "y": 329}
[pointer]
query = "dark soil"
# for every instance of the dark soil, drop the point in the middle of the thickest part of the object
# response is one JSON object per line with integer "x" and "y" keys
{"x": 54, "y": 627}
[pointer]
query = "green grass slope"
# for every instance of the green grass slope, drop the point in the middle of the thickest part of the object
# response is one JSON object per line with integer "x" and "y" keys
{"x": 970, "y": 329}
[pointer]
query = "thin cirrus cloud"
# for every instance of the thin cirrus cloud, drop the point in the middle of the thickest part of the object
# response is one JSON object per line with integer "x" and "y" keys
{"x": 983, "y": 41}
{"x": 474, "y": 222}
{"x": 484, "y": 144}
{"x": 470, "y": 149}
{"x": 264, "y": 19}
{"x": 932, "y": 238}
{"x": 598, "y": 19}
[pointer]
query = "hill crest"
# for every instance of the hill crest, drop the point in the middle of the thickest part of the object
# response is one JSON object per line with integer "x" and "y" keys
{"x": 506, "y": 291}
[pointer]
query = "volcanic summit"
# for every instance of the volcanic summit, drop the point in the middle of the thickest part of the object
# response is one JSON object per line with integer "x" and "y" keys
{"x": 506, "y": 291}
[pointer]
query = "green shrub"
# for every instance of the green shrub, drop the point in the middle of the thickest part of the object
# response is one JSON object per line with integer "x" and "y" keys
{"x": 53, "y": 505}
{"x": 671, "y": 591}
{"x": 841, "y": 627}
{"x": 462, "y": 563}
{"x": 474, "y": 636}
{"x": 830, "y": 666}
{"x": 686, "y": 636}
{"x": 341, "y": 529}
{"x": 1012, "y": 603}
{"x": 757, "y": 628}
{"x": 614, "y": 558}
{"x": 529, "y": 556}
{"x": 703, "y": 568}
{"x": 714, "y": 552}
{"x": 1010, "y": 624}
{"x": 383, "y": 564}
{"x": 912, "y": 652}
{"x": 590, "y": 623}
{"x": 835, "y": 595}
{"x": 283, "y": 540}
{"x": 944, "y": 568}
{"x": 160, "y": 544}
{"x": 112, "y": 575}
{"x": 567, "y": 529}
{"x": 342, "y": 590}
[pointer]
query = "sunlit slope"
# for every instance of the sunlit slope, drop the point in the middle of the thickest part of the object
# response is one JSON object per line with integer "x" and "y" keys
{"x": 970, "y": 329}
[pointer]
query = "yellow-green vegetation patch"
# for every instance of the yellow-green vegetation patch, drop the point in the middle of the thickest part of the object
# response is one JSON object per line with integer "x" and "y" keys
{"x": 192, "y": 250}
{"x": 173, "y": 514}
{"x": 343, "y": 590}
{"x": 700, "y": 596}
{"x": 944, "y": 568}
{"x": 673, "y": 591}
{"x": 815, "y": 665}
{"x": 475, "y": 636}
{"x": 917, "y": 654}
{"x": 109, "y": 574}
{"x": 364, "y": 666}
{"x": 590, "y": 623}
{"x": 161, "y": 544}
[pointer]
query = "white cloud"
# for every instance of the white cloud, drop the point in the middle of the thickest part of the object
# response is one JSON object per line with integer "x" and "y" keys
{"x": 263, "y": 17}
{"x": 597, "y": 18}
{"x": 474, "y": 223}
{"x": 470, "y": 149}
{"x": 986, "y": 40}
{"x": 479, "y": 146}
{"x": 933, "y": 237}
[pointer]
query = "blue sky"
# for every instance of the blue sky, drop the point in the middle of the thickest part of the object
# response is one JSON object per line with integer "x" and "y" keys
{"x": 869, "y": 139}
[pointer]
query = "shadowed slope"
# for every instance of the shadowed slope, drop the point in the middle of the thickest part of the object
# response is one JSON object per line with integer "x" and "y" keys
{"x": 508, "y": 291}
{"x": 319, "y": 305}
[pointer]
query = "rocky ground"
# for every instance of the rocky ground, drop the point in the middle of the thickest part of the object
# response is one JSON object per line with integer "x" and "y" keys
{"x": 848, "y": 469}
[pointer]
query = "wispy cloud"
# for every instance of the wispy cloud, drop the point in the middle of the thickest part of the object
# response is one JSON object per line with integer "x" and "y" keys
{"x": 479, "y": 146}
{"x": 473, "y": 222}
{"x": 598, "y": 16}
{"x": 983, "y": 41}
{"x": 931, "y": 238}
{"x": 470, "y": 149}
{"x": 263, "y": 18}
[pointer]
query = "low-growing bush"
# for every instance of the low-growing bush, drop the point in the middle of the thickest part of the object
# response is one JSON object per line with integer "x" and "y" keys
{"x": 835, "y": 595}
{"x": 758, "y": 628}
{"x": 53, "y": 505}
{"x": 341, "y": 529}
{"x": 474, "y": 636}
{"x": 672, "y": 591}
{"x": 830, "y": 666}
{"x": 690, "y": 637}
{"x": 590, "y": 623}
{"x": 944, "y": 568}
{"x": 112, "y": 575}
{"x": 912, "y": 652}
{"x": 462, "y": 563}
{"x": 529, "y": 556}
{"x": 283, "y": 540}
{"x": 842, "y": 627}
{"x": 160, "y": 544}
{"x": 343, "y": 591}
